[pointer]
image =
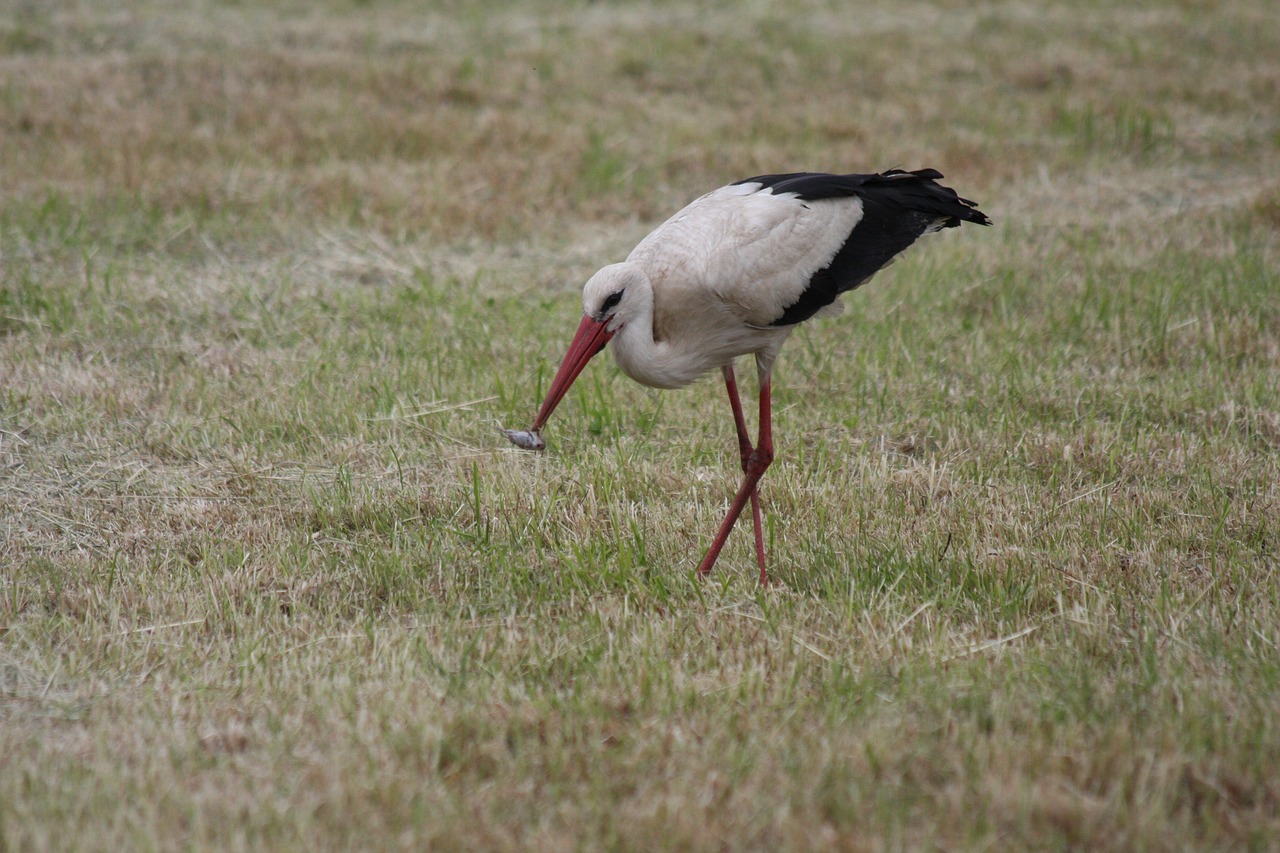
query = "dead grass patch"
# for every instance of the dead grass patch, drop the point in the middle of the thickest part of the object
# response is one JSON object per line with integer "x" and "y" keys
{"x": 270, "y": 276}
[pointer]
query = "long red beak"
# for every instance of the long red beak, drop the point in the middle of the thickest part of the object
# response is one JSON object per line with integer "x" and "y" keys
{"x": 588, "y": 341}
{"x": 590, "y": 338}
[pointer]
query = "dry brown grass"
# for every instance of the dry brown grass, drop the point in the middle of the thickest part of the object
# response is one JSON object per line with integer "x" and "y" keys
{"x": 271, "y": 275}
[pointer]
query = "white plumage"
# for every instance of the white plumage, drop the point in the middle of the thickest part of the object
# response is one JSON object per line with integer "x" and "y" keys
{"x": 732, "y": 274}
{"x": 705, "y": 285}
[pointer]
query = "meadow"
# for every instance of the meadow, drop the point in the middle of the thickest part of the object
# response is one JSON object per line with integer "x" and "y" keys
{"x": 272, "y": 274}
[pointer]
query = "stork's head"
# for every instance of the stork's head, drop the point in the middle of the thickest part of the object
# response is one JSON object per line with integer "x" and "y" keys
{"x": 609, "y": 300}
{"x": 611, "y": 295}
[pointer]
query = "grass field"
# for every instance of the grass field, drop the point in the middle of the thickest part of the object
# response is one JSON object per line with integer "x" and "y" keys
{"x": 273, "y": 273}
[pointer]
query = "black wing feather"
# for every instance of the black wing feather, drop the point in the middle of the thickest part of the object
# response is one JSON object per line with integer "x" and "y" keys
{"x": 897, "y": 208}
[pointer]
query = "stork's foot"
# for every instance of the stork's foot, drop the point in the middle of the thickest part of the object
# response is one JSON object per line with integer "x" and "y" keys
{"x": 756, "y": 463}
{"x": 709, "y": 561}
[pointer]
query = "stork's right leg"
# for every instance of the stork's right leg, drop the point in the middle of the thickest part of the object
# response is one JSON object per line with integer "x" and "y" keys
{"x": 755, "y": 460}
{"x": 745, "y": 449}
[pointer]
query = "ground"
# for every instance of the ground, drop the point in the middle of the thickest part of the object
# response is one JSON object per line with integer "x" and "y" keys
{"x": 273, "y": 274}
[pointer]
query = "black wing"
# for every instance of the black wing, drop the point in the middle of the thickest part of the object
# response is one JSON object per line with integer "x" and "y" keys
{"x": 897, "y": 208}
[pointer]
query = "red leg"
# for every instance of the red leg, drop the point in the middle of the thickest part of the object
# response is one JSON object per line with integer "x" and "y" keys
{"x": 744, "y": 440}
{"x": 745, "y": 448}
{"x": 755, "y": 461}
{"x": 757, "y": 523}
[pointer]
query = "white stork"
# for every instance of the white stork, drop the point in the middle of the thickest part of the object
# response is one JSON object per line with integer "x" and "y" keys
{"x": 734, "y": 273}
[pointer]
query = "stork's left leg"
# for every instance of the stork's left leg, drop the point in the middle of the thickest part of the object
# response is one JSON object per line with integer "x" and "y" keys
{"x": 745, "y": 449}
{"x": 755, "y": 461}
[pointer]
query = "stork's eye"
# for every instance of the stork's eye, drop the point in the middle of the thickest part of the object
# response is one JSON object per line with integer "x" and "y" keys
{"x": 611, "y": 300}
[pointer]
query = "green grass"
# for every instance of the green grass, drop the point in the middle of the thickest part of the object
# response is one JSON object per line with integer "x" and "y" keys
{"x": 270, "y": 276}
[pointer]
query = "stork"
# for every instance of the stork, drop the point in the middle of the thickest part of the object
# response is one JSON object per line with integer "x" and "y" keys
{"x": 733, "y": 274}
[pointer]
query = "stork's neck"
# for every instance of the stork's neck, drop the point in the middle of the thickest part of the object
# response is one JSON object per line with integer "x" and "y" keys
{"x": 674, "y": 357}
{"x": 644, "y": 359}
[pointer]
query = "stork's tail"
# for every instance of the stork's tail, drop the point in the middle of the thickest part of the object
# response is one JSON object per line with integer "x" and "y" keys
{"x": 919, "y": 191}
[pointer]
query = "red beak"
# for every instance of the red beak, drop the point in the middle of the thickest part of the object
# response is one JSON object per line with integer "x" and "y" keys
{"x": 590, "y": 338}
